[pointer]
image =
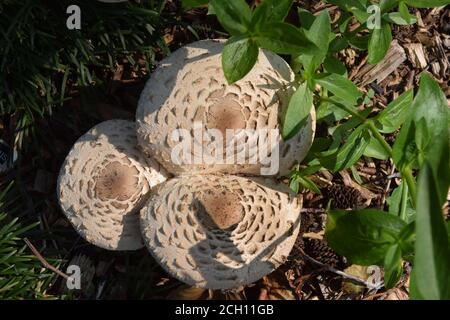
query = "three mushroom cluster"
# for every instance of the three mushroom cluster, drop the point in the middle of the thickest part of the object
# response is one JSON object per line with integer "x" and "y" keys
{"x": 210, "y": 223}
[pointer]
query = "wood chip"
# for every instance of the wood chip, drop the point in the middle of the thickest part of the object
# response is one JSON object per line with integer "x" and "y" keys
{"x": 371, "y": 73}
{"x": 416, "y": 54}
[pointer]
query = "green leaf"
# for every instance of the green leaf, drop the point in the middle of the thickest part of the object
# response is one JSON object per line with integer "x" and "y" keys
{"x": 427, "y": 3}
{"x": 306, "y": 18}
{"x": 270, "y": 11}
{"x": 297, "y": 112}
{"x": 392, "y": 266}
{"x": 341, "y": 87}
{"x": 398, "y": 18}
{"x": 404, "y": 152}
{"x": 386, "y": 5}
{"x": 376, "y": 150}
{"x": 359, "y": 42}
{"x": 400, "y": 203}
{"x": 380, "y": 42}
{"x": 233, "y": 15}
{"x": 189, "y": 4}
{"x": 348, "y": 5}
{"x": 404, "y": 12}
{"x": 284, "y": 38}
{"x": 294, "y": 184}
{"x": 395, "y": 114}
{"x": 309, "y": 184}
{"x": 350, "y": 152}
{"x": 334, "y": 65}
{"x": 432, "y": 250}
{"x": 425, "y": 134}
{"x": 238, "y": 58}
{"x": 364, "y": 236}
{"x": 319, "y": 34}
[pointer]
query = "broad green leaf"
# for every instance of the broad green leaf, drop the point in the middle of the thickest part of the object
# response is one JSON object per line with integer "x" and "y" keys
{"x": 294, "y": 185}
{"x": 404, "y": 151}
{"x": 297, "y": 112}
{"x": 395, "y": 114}
{"x": 427, "y": 3}
{"x": 364, "y": 236}
{"x": 238, "y": 58}
{"x": 233, "y": 15}
{"x": 404, "y": 12}
{"x": 448, "y": 229}
{"x": 359, "y": 42}
{"x": 392, "y": 266}
{"x": 386, "y": 5}
{"x": 348, "y": 5}
{"x": 338, "y": 44}
{"x": 341, "y": 87}
{"x": 310, "y": 170}
{"x": 334, "y": 65}
{"x": 350, "y": 152}
{"x": 284, "y": 38}
{"x": 432, "y": 249}
{"x": 306, "y": 18}
{"x": 397, "y": 18}
{"x": 380, "y": 42}
{"x": 375, "y": 150}
{"x": 400, "y": 203}
{"x": 408, "y": 239}
{"x": 270, "y": 11}
{"x": 429, "y": 113}
{"x": 189, "y": 4}
{"x": 330, "y": 113}
{"x": 319, "y": 34}
{"x": 309, "y": 184}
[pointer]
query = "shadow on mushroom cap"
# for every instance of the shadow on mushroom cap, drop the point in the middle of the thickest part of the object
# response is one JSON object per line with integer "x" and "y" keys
{"x": 220, "y": 232}
{"x": 255, "y": 269}
{"x": 189, "y": 87}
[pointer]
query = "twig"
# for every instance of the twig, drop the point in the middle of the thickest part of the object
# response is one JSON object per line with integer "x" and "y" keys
{"x": 43, "y": 261}
{"x": 338, "y": 272}
{"x": 388, "y": 186}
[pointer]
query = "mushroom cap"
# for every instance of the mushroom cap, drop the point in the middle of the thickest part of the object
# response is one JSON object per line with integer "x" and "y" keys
{"x": 189, "y": 87}
{"x": 220, "y": 232}
{"x": 103, "y": 183}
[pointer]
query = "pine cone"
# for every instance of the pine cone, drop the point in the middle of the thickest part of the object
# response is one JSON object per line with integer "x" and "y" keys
{"x": 343, "y": 197}
{"x": 319, "y": 250}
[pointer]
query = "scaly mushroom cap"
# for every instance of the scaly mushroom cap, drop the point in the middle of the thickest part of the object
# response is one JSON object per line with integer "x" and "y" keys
{"x": 103, "y": 183}
{"x": 220, "y": 232}
{"x": 189, "y": 87}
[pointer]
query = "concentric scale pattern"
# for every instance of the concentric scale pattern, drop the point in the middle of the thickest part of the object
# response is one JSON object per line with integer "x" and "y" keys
{"x": 189, "y": 88}
{"x": 103, "y": 183}
{"x": 220, "y": 232}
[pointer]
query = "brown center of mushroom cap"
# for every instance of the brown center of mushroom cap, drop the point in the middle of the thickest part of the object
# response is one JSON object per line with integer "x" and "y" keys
{"x": 220, "y": 209}
{"x": 226, "y": 114}
{"x": 116, "y": 181}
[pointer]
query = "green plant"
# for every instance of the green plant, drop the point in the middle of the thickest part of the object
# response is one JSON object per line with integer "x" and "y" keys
{"x": 41, "y": 60}
{"x": 414, "y": 227}
{"x": 21, "y": 274}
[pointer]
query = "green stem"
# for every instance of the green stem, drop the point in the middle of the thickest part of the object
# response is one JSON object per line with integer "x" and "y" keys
{"x": 408, "y": 176}
{"x": 348, "y": 110}
{"x": 406, "y": 173}
{"x": 404, "y": 201}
